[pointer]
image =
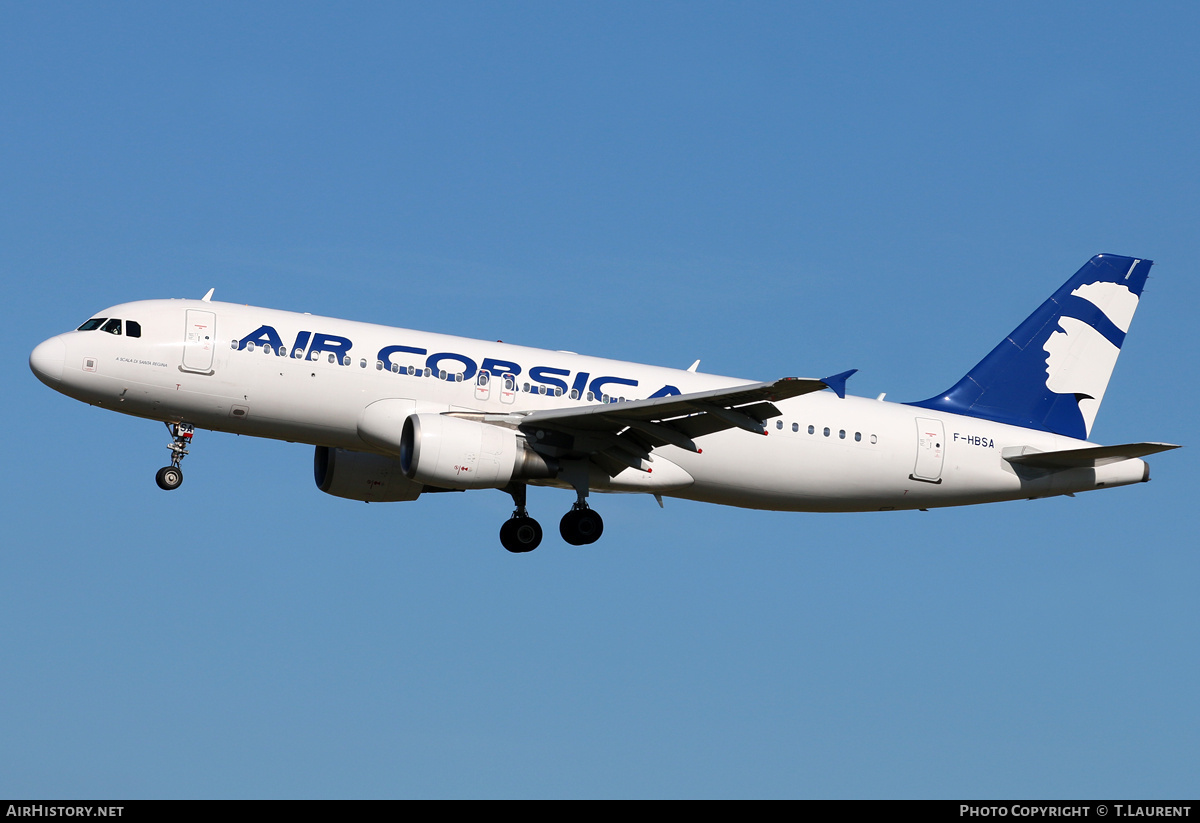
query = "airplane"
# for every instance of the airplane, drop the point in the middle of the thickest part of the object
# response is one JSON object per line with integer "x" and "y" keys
{"x": 395, "y": 413}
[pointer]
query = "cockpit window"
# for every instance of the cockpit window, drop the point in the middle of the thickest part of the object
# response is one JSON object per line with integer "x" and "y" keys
{"x": 112, "y": 326}
{"x": 92, "y": 324}
{"x": 133, "y": 328}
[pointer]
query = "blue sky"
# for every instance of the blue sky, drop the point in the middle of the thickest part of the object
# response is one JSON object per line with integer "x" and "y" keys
{"x": 777, "y": 189}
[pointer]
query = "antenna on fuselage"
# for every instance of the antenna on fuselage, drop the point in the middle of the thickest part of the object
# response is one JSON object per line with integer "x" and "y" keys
{"x": 208, "y": 296}
{"x": 692, "y": 368}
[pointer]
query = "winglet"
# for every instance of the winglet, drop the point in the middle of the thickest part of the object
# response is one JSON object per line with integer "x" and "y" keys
{"x": 838, "y": 382}
{"x": 206, "y": 298}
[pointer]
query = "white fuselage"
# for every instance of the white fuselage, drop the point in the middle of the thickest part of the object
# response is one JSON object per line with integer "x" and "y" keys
{"x": 824, "y": 453}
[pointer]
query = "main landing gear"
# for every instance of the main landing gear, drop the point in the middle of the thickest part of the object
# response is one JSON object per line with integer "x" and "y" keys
{"x": 170, "y": 477}
{"x": 521, "y": 533}
{"x": 581, "y": 526}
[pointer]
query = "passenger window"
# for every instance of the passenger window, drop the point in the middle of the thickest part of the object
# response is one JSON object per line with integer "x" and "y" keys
{"x": 574, "y": 394}
{"x": 811, "y": 430}
{"x": 795, "y": 427}
{"x": 525, "y": 387}
{"x": 874, "y": 439}
{"x": 541, "y": 390}
{"x": 826, "y": 431}
{"x": 557, "y": 391}
{"x": 267, "y": 348}
{"x": 92, "y": 325}
{"x": 842, "y": 434}
{"x": 509, "y": 383}
{"x": 779, "y": 425}
{"x": 233, "y": 344}
{"x": 112, "y": 326}
{"x": 591, "y": 397}
{"x": 362, "y": 364}
{"x": 345, "y": 360}
{"x": 133, "y": 328}
{"x": 481, "y": 379}
{"x": 858, "y": 437}
{"x": 250, "y": 346}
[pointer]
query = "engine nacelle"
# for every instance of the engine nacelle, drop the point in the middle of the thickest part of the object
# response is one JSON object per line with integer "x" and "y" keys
{"x": 362, "y": 476}
{"x": 453, "y": 453}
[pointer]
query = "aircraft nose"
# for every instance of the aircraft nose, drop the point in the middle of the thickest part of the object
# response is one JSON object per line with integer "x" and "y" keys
{"x": 46, "y": 361}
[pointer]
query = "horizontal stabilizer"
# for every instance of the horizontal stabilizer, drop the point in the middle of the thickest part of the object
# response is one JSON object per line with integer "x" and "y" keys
{"x": 1090, "y": 457}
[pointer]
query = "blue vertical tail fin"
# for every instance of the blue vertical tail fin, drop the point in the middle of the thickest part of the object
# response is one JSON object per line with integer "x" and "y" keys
{"x": 1051, "y": 372}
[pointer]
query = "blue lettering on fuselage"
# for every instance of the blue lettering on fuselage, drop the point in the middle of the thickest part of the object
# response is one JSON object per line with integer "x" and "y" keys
{"x": 385, "y": 354}
{"x": 544, "y": 374}
{"x": 435, "y": 360}
{"x": 262, "y": 336}
{"x": 494, "y": 366}
{"x": 331, "y": 343}
{"x": 580, "y": 384}
{"x": 550, "y": 376}
{"x": 599, "y": 383}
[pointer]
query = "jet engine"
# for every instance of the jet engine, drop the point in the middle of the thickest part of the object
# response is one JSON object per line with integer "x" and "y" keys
{"x": 453, "y": 453}
{"x": 362, "y": 476}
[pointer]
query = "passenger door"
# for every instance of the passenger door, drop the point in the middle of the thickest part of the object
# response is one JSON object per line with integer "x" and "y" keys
{"x": 199, "y": 341}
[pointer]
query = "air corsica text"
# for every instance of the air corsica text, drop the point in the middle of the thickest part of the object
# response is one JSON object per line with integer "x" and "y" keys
{"x": 548, "y": 376}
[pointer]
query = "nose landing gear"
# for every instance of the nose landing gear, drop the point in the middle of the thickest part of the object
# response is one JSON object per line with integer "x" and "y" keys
{"x": 170, "y": 477}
